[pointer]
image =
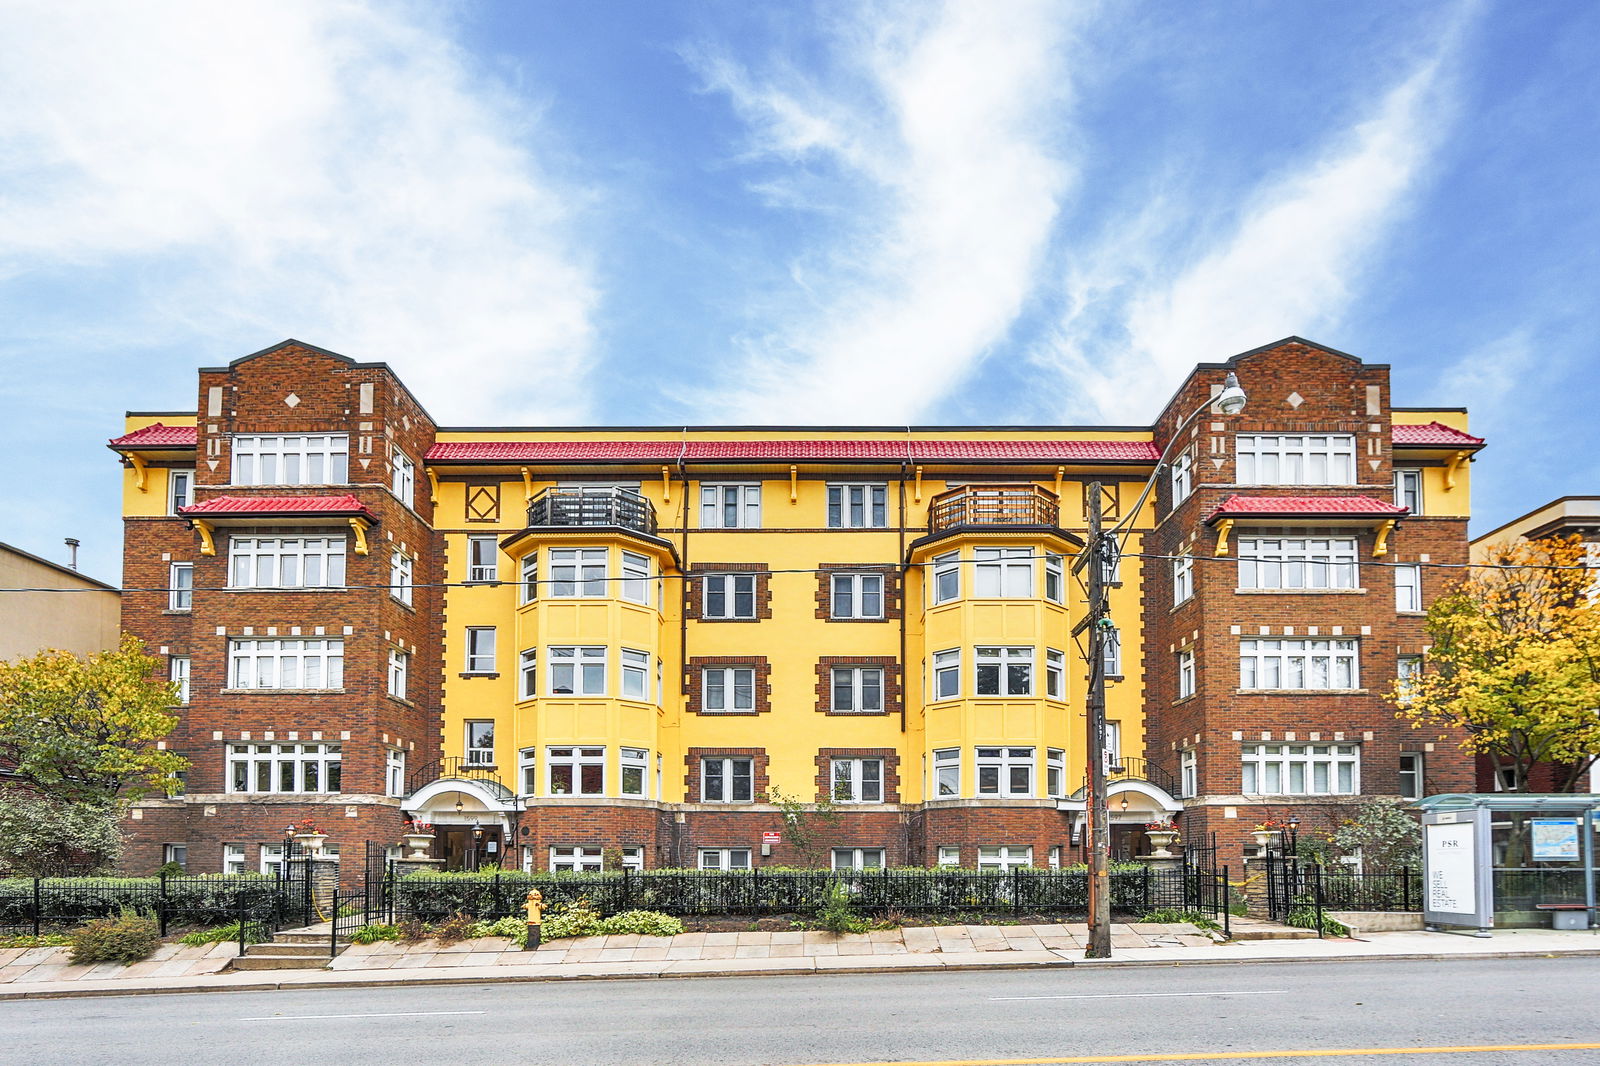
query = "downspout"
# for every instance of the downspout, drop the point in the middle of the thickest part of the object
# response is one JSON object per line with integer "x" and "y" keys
{"x": 683, "y": 622}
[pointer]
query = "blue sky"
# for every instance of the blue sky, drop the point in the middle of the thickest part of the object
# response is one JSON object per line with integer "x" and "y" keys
{"x": 941, "y": 212}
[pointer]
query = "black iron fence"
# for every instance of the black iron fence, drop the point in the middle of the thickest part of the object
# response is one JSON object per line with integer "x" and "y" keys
{"x": 1377, "y": 890}
{"x": 31, "y": 906}
{"x": 430, "y": 897}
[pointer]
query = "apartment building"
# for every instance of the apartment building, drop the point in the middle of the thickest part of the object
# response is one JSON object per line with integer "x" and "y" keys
{"x": 566, "y": 647}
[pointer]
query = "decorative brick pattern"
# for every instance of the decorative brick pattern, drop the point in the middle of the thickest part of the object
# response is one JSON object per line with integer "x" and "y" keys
{"x": 892, "y": 700}
{"x": 694, "y": 682}
{"x": 758, "y": 770}
{"x": 694, "y": 590}
{"x": 893, "y": 591}
{"x": 891, "y": 769}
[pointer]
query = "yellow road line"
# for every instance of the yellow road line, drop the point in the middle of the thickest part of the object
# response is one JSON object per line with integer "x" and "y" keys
{"x": 1202, "y": 1056}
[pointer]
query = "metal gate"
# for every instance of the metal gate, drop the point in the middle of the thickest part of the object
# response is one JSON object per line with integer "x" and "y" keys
{"x": 1286, "y": 882}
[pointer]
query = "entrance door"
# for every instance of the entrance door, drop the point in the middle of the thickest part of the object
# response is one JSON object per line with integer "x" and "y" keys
{"x": 468, "y": 847}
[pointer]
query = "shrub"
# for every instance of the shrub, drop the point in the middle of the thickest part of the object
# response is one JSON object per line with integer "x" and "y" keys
{"x": 645, "y": 923}
{"x": 43, "y": 940}
{"x": 1304, "y": 916}
{"x": 836, "y": 916}
{"x": 573, "y": 919}
{"x": 515, "y": 928}
{"x": 451, "y": 929}
{"x": 254, "y": 933}
{"x": 129, "y": 937}
{"x": 40, "y": 836}
{"x": 171, "y": 869}
{"x": 374, "y": 932}
{"x": 1174, "y": 916}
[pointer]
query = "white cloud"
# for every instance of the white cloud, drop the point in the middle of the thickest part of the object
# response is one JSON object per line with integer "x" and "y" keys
{"x": 925, "y": 149}
{"x": 333, "y": 171}
{"x": 1149, "y": 302}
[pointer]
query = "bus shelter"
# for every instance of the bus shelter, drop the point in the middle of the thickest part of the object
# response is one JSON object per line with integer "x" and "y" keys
{"x": 1510, "y": 859}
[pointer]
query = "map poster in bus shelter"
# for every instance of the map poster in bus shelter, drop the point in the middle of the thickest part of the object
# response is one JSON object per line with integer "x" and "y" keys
{"x": 1456, "y": 885}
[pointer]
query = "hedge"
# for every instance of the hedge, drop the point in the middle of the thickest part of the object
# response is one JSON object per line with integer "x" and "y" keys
{"x": 198, "y": 900}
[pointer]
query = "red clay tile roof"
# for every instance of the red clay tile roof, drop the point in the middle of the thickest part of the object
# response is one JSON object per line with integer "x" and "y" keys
{"x": 275, "y": 505}
{"x": 669, "y": 451}
{"x": 1330, "y": 506}
{"x": 1433, "y": 435}
{"x": 157, "y": 435}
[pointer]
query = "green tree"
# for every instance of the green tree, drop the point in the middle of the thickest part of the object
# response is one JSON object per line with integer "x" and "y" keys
{"x": 44, "y": 837}
{"x": 86, "y": 730}
{"x": 1514, "y": 662}
{"x": 807, "y": 827}
{"x": 1385, "y": 834}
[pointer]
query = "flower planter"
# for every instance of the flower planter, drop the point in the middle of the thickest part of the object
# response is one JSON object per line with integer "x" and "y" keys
{"x": 419, "y": 843}
{"x": 1265, "y": 837}
{"x": 312, "y": 842}
{"x": 1162, "y": 840}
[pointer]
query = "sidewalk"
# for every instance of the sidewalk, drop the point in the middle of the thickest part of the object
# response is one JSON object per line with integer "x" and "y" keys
{"x": 45, "y": 972}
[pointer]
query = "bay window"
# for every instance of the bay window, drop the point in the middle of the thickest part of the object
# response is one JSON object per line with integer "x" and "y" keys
{"x": 947, "y": 674}
{"x": 577, "y": 671}
{"x": 1005, "y": 771}
{"x": 576, "y": 771}
{"x": 578, "y": 572}
{"x": 1004, "y": 671}
{"x": 1003, "y": 573}
{"x": 946, "y": 577}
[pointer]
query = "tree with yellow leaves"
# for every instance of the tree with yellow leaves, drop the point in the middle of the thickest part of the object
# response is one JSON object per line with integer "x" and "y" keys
{"x": 1514, "y": 662}
{"x": 87, "y": 730}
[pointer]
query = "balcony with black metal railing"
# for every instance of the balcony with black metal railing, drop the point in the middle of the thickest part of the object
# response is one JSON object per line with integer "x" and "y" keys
{"x": 994, "y": 505}
{"x": 569, "y": 508}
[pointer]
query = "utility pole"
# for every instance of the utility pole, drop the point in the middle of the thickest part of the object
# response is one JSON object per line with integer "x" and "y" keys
{"x": 1099, "y": 815}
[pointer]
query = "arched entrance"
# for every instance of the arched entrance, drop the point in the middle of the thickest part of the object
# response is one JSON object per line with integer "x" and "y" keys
{"x": 471, "y": 818}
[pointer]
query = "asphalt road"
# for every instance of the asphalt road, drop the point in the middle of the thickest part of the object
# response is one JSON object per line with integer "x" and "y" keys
{"x": 1061, "y": 1015}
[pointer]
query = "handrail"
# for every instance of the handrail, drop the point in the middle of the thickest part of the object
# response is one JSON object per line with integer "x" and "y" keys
{"x": 994, "y": 505}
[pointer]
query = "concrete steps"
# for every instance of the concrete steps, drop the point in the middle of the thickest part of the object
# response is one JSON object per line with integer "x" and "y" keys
{"x": 1243, "y": 929}
{"x": 295, "y": 950}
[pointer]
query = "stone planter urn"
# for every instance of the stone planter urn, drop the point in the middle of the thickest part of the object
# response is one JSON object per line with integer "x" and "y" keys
{"x": 1161, "y": 839}
{"x": 312, "y": 842}
{"x": 1264, "y": 837}
{"x": 419, "y": 843}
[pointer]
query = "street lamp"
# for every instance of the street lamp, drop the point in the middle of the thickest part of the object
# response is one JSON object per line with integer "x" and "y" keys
{"x": 1102, "y": 549}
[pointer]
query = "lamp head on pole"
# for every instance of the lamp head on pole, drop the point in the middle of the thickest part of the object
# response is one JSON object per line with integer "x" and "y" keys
{"x": 459, "y": 806}
{"x": 1230, "y": 401}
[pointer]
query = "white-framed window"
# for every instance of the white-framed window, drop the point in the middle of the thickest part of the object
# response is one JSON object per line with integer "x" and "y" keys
{"x": 528, "y": 771}
{"x": 1182, "y": 579}
{"x": 394, "y": 772}
{"x": 178, "y": 853}
{"x": 1005, "y": 771}
{"x": 178, "y": 674}
{"x": 483, "y": 558}
{"x": 1113, "y": 747}
{"x": 1003, "y": 671}
{"x": 577, "y": 670}
{"x": 272, "y": 858}
{"x": 947, "y": 674}
{"x": 857, "y": 506}
{"x": 1298, "y": 663}
{"x": 1296, "y": 459}
{"x": 857, "y": 858}
{"x": 399, "y": 664}
{"x": 578, "y": 572}
{"x": 528, "y": 673}
{"x": 635, "y": 766}
{"x": 1055, "y": 772}
{"x": 1188, "y": 774}
{"x": 633, "y": 858}
{"x": 1055, "y": 578}
{"x": 729, "y": 596}
{"x": 1408, "y": 587}
{"x": 400, "y": 576}
{"x": 1002, "y": 573}
{"x": 284, "y": 767}
{"x": 730, "y": 780}
{"x": 1111, "y": 649}
{"x": 1407, "y": 668}
{"x": 857, "y": 690}
{"x": 728, "y": 688}
{"x": 1301, "y": 769}
{"x": 856, "y": 780}
{"x": 291, "y": 459}
{"x": 1182, "y": 476}
{"x": 180, "y": 587}
{"x": 1408, "y": 489}
{"x": 480, "y": 650}
{"x": 856, "y": 595}
{"x": 1111, "y": 562}
{"x": 180, "y": 489}
{"x": 730, "y": 506}
{"x": 479, "y": 742}
{"x": 1410, "y": 783}
{"x": 724, "y": 858}
{"x": 576, "y": 771}
{"x": 286, "y": 562}
{"x": 946, "y": 772}
{"x": 635, "y": 674}
{"x": 233, "y": 858}
{"x": 574, "y": 860}
{"x": 636, "y": 577}
{"x": 1005, "y": 858}
{"x": 946, "y": 577}
{"x": 1297, "y": 562}
{"x": 404, "y": 479}
{"x": 1053, "y": 858}
{"x": 1055, "y": 674}
{"x": 298, "y": 664}
{"x": 1185, "y": 673}
{"x": 949, "y": 855}
{"x": 528, "y": 587}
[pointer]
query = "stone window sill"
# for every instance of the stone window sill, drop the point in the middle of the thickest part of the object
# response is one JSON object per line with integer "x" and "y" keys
{"x": 1299, "y": 592}
{"x": 283, "y": 691}
{"x": 478, "y": 673}
{"x": 1301, "y": 692}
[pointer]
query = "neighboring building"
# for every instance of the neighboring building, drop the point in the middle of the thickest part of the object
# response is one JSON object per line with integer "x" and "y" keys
{"x": 83, "y": 621}
{"x": 563, "y": 645}
{"x": 1566, "y": 516}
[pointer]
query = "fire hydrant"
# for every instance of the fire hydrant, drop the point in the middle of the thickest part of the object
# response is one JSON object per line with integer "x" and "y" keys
{"x": 535, "y": 909}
